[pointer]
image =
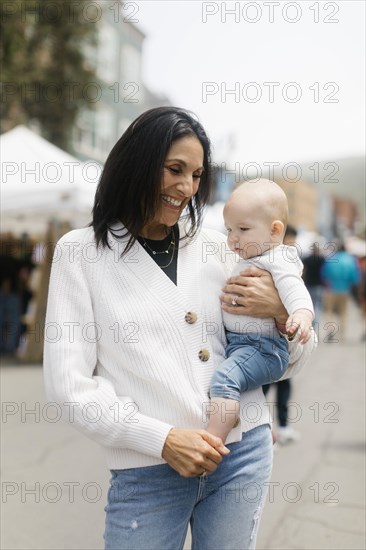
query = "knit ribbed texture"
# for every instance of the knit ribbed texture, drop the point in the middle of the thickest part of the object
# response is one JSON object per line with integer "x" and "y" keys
{"x": 286, "y": 268}
{"x": 120, "y": 358}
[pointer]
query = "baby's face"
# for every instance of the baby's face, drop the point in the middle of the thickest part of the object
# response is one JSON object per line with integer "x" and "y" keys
{"x": 249, "y": 231}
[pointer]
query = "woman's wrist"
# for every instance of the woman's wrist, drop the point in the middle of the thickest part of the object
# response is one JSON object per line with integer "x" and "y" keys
{"x": 281, "y": 318}
{"x": 281, "y": 327}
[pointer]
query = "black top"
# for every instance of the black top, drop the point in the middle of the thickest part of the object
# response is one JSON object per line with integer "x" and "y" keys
{"x": 167, "y": 261}
{"x": 10, "y": 268}
{"x": 312, "y": 270}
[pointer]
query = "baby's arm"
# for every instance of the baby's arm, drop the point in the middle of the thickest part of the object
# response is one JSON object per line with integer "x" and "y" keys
{"x": 300, "y": 323}
{"x": 286, "y": 267}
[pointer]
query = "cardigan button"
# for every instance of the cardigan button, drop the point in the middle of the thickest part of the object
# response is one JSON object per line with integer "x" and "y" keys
{"x": 190, "y": 317}
{"x": 204, "y": 355}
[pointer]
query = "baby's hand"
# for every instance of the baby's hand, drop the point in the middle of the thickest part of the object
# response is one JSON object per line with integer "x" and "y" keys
{"x": 300, "y": 324}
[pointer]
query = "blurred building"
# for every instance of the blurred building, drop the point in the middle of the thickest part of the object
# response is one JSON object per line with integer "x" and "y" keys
{"x": 120, "y": 95}
{"x": 325, "y": 214}
{"x": 303, "y": 204}
{"x": 345, "y": 212}
{"x": 341, "y": 189}
{"x": 311, "y": 207}
{"x": 224, "y": 181}
{"x": 315, "y": 210}
{"x": 303, "y": 197}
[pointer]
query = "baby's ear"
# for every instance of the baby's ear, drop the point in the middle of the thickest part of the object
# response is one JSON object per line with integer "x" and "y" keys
{"x": 277, "y": 228}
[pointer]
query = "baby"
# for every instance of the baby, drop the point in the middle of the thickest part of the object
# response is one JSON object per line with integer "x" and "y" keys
{"x": 255, "y": 217}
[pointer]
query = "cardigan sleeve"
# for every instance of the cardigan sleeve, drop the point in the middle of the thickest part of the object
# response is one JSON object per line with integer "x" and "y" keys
{"x": 87, "y": 401}
{"x": 299, "y": 355}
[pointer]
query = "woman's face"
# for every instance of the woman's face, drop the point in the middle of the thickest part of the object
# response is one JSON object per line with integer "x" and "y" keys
{"x": 180, "y": 180}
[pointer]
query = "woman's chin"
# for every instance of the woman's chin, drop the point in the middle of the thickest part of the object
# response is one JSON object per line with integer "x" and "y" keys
{"x": 171, "y": 219}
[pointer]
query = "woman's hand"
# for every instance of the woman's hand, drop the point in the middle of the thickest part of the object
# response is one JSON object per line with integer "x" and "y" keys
{"x": 193, "y": 452}
{"x": 255, "y": 295}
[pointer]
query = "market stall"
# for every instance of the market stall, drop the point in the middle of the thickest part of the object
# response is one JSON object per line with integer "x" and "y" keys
{"x": 44, "y": 193}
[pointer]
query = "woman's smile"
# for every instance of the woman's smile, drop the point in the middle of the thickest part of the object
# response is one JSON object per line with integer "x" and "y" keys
{"x": 170, "y": 202}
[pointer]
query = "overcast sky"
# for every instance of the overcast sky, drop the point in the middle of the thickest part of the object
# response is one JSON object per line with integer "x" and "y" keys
{"x": 193, "y": 55}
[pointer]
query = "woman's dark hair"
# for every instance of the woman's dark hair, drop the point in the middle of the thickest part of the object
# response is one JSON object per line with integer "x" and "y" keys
{"x": 130, "y": 184}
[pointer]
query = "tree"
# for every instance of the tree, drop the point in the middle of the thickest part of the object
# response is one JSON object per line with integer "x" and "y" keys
{"x": 45, "y": 70}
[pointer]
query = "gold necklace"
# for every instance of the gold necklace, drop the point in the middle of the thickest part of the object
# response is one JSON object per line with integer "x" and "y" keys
{"x": 156, "y": 252}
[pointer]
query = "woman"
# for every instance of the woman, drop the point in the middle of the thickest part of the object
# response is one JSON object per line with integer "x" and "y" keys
{"x": 141, "y": 292}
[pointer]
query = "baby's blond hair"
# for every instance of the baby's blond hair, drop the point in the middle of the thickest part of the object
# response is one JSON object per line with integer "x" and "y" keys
{"x": 266, "y": 197}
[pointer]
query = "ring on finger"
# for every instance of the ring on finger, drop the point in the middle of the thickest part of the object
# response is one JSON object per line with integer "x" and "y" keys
{"x": 234, "y": 301}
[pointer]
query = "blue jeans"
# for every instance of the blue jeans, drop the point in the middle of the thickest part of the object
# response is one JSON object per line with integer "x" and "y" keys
{"x": 151, "y": 508}
{"x": 316, "y": 294}
{"x": 10, "y": 312}
{"x": 252, "y": 361}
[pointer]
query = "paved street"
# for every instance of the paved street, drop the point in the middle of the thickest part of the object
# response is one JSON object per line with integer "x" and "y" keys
{"x": 54, "y": 481}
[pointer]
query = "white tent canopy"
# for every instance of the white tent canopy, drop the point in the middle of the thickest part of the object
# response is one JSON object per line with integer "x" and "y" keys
{"x": 40, "y": 182}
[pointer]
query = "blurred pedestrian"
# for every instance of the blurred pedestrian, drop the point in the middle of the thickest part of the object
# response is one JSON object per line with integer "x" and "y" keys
{"x": 362, "y": 294}
{"x": 313, "y": 279}
{"x": 340, "y": 273}
{"x": 10, "y": 304}
{"x": 284, "y": 433}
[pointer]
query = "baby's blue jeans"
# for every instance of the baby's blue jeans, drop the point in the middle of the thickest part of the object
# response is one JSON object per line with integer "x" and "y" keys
{"x": 252, "y": 361}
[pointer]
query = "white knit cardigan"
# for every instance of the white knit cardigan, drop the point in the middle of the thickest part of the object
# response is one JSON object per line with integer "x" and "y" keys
{"x": 119, "y": 356}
